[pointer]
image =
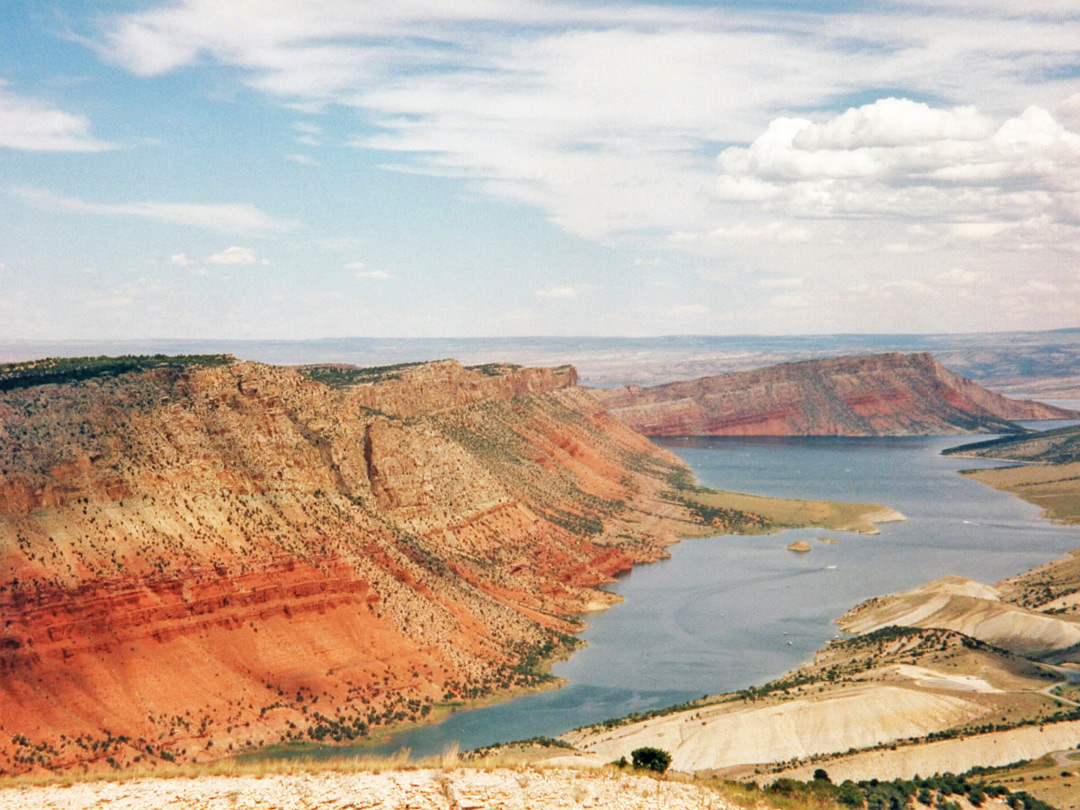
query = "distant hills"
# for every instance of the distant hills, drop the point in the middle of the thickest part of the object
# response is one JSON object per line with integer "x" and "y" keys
{"x": 1046, "y": 363}
{"x": 878, "y": 395}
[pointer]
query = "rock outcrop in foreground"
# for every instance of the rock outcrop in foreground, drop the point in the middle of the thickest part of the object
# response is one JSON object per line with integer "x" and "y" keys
{"x": 878, "y": 395}
{"x": 194, "y": 559}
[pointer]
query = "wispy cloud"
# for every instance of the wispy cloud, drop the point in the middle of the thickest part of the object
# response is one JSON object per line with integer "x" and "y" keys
{"x": 229, "y": 218}
{"x": 34, "y": 126}
{"x": 542, "y": 102}
{"x": 237, "y": 256}
{"x": 303, "y": 160}
{"x": 361, "y": 270}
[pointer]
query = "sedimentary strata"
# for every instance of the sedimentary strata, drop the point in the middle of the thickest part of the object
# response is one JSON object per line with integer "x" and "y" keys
{"x": 878, "y": 395}
{"x": 198, "y": 558}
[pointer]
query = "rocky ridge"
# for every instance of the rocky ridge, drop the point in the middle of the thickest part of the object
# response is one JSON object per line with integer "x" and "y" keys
{"x": 198, "y": 559}
{"x": 876, "y": 395}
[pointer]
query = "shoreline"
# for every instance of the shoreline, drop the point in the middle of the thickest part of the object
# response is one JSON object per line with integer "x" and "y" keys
{"x": 840, "y": 516}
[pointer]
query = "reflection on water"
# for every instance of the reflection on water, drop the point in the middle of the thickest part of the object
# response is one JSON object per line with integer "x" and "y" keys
{"x": 725, "y": 613}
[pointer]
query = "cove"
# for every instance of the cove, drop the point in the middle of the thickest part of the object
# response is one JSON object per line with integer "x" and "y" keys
{"x": 729, "y": 612}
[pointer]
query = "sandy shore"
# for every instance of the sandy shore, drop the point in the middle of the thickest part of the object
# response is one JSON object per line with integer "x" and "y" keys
{"x": 431, "y": 789}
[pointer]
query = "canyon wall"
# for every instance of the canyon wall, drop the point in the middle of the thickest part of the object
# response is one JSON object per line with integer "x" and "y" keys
{"x": 196, "y": 560}
{"x": 877, "y": 395}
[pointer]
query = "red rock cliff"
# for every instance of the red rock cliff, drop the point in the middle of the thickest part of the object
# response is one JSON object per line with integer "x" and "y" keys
{"x": 879, "y": 395}
{"x": 199, "y": 560}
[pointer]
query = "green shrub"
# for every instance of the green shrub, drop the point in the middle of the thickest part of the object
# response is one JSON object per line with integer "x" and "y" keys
{"x": 650, "y": 759}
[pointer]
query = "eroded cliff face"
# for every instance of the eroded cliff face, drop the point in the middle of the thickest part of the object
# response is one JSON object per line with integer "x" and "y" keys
{"x": 193, "y": 561}
{"x": 878, "y": 395}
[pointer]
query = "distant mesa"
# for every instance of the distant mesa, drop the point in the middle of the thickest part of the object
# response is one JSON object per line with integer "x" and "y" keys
{"x": 875, "y": 395}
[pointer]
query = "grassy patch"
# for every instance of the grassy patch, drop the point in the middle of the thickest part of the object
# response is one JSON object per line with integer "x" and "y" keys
{"x": 773, "y": 514}
{"x": 1055, "y": 488}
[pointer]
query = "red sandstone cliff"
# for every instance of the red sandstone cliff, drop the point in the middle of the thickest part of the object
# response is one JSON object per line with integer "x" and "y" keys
{"x": 879, "y": 395}
{"x": 196, "y": 560}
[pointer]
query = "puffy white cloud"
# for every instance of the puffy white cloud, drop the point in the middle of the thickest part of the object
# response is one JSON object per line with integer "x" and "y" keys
{"x": 180, "y": 260}
{"x": 236, "y": 255}
{"x": 33, "y": 126}
{"x": 230, "y": 218}
{"x": 951, "y": 166}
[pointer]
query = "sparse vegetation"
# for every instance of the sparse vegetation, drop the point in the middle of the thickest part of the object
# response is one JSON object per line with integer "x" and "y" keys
{"x": 58, "y": 370}
{"x": 342, "y": 376}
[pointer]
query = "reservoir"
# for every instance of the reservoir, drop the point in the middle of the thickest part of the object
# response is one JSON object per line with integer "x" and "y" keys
{"x": 729, "y": 612}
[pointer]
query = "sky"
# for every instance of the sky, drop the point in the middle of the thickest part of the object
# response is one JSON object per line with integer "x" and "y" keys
{"x": 290, "y": 169}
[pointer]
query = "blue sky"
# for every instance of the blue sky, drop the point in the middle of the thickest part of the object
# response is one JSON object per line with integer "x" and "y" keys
{"x": 318, "y": 168}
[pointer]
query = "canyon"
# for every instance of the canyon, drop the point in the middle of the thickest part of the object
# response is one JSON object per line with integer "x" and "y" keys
{"x": 875, "y": 395}
{"x": 200, "y": 558}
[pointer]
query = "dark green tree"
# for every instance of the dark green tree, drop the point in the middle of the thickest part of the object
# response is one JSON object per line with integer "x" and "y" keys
{"x": 650, "y": 759}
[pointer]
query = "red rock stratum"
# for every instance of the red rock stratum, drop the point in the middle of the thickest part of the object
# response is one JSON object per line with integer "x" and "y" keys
{"x": 878, "y": 395}
{"x": 198, "y": 559}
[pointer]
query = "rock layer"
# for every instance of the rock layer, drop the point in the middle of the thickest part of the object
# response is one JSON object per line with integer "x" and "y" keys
{"x": 878, "y": 395}
{"x": 197, "y": 560}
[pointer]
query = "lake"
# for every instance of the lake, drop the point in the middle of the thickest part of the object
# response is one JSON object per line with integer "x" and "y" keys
{"x": 728, "y": 612}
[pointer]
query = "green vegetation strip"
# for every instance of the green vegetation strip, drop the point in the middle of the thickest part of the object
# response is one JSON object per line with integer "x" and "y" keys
{"x": 57, "y": 370}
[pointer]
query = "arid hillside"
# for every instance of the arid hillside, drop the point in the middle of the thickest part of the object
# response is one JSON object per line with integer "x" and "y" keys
{"x": 199, "y": 557}
{"x": 878, "y": 395}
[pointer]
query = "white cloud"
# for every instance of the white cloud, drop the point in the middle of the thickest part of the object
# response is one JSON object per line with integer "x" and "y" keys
{"x": 686, "y": 310}
{"x": 962, "y": 277}
{"x": 34, "y": 126}
{"x": 236, "y": 255}
{"x": 361, "y": 270}
{"x": 180, "y": 260}
{"x": 769, "y": 231}
{"x": 782, "y": 283}
{"x": 303, "y": 160}
{"x": 228, "y": 218}
{"x": 543, "y": 103}
{"x": 948, "y": 166}
{"x": 558, "y": 292}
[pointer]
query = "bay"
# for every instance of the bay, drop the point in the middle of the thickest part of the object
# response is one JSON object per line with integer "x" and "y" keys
{"x": 729, "y": 612}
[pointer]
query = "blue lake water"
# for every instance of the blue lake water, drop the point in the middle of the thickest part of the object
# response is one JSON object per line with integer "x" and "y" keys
{"x": 729, "y": 612}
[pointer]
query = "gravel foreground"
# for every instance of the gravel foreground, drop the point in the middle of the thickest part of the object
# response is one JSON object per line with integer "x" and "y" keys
{"x": 502, "y": 789}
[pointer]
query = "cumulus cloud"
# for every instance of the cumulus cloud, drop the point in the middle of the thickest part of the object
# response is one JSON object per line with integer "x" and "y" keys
{"x": 236, "y": 255}
{"x": 982, "y": 179}
{"x": 34, "y": 126}
{"x": 180, "y": 260}
{"x": 230, "y": 218}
